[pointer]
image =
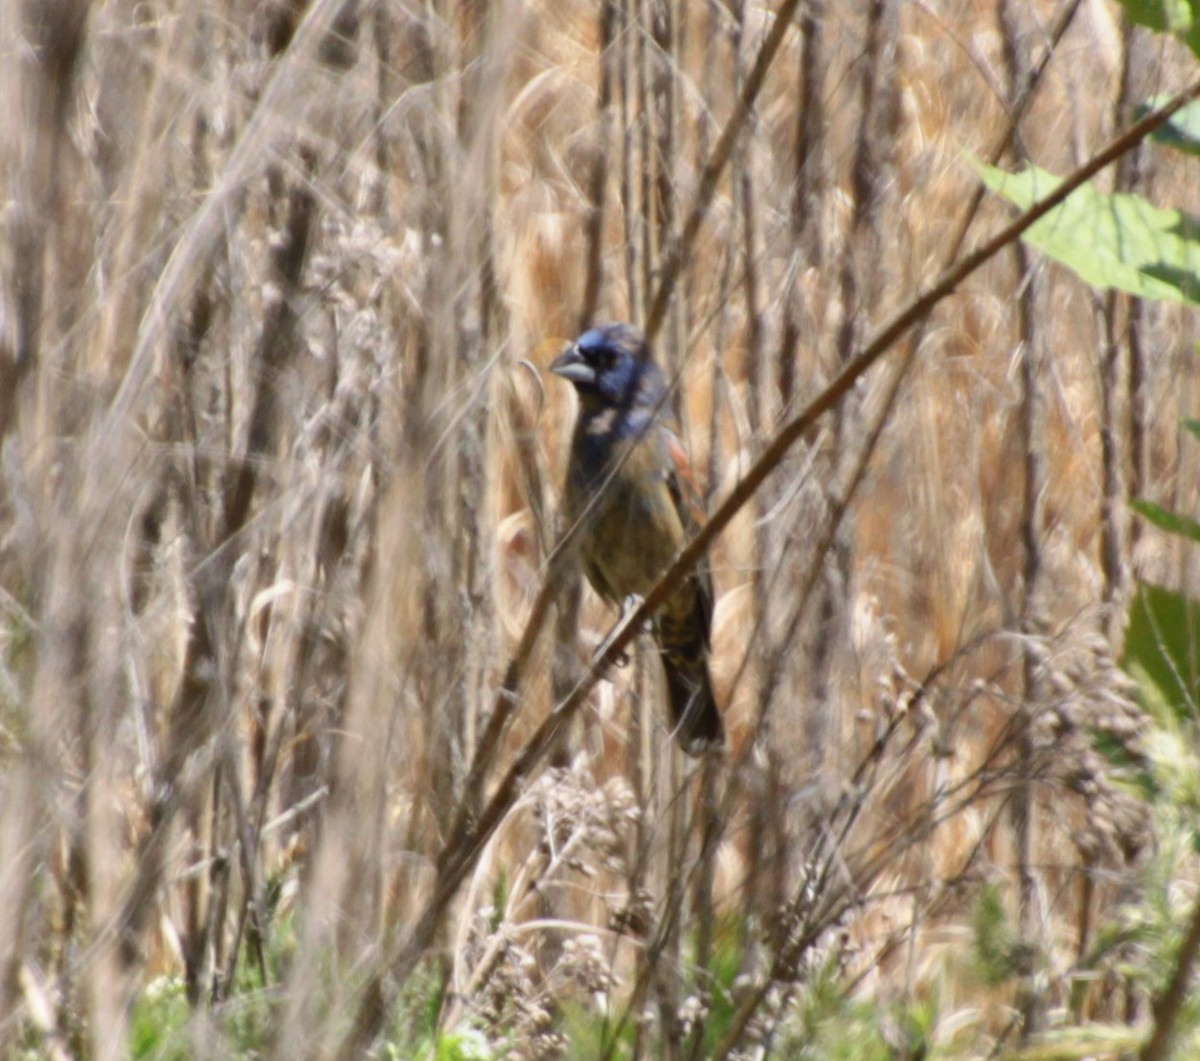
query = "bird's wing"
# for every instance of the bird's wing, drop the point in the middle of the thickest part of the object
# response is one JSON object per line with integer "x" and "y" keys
{"x": 688, "y": 504}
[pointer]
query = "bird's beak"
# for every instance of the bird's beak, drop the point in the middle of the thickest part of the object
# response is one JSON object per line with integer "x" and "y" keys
{"x": 571, "y": 366}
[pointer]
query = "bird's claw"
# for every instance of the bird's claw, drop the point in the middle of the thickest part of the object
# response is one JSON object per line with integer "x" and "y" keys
{"x": 621, "y": 658}
{"x": 618, "y": 661}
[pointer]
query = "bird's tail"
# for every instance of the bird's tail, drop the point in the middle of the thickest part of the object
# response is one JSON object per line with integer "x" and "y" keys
{"x": 695, "y": 721}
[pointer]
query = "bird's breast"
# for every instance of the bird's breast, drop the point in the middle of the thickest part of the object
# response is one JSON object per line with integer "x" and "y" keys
{"x": 631, "y": 529}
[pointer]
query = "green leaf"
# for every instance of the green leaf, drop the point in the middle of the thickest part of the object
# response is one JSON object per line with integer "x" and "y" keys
{"x": 1119, "y": 241}
{"x": 993, "y": 936}
{"x": 1172, "y": 522}
{"x": 1182, "y": 130}
{"x": 1162, "y": 648}
{"x": 158, "y": 1021}
{"x": 1193, "y": 426}
{"x": 465, "y": 1044}
{"x": 1179, "y": 17}
{"x": 1128, "y": 769}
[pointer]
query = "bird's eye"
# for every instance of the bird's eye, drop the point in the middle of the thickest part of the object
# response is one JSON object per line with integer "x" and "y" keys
{"x": 601, "y": 358}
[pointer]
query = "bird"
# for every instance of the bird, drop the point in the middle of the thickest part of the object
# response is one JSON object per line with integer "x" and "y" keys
{"x": 629, "y": 489}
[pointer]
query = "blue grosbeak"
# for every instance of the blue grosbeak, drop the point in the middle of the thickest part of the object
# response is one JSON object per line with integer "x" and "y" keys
{"x": 628, "y": 482}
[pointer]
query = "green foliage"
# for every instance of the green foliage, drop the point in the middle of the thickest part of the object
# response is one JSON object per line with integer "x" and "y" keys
{"x": 158, "y": 1026}
{"x": 1178, "y": 17}
{"x": 830, "y": 1025}
{"x": 466, "y": 1044}
{"x": 158, "y": 1023}
{"x": 999, "y": 955}
{"x": 1172, "y": 522}
{"x": 833, "y": 1027}
{"x": 1182, "y": 130}
{"x": 1122, "y": 241}
{"x": 1162, "y": 651}
{"x": 413, "y": 1030}
{"x": 246, "y": 1016}
{"x": 992, "y": 936}
{"x": 1118, "y": 241}
{"x": 724, "y": 965}
{"x": 461, "y": 1044}
{"x": 1162, "y": 654}
{"x": 593, "y": 1034}
{"x": 1140, "y": 945}
{"x": 1162, "y": 641}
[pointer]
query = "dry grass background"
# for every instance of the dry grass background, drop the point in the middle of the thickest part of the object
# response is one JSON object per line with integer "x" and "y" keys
{"x": 280, "y": 282}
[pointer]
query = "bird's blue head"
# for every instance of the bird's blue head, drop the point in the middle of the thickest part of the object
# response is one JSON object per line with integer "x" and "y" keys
{"x": 610, "y": 366}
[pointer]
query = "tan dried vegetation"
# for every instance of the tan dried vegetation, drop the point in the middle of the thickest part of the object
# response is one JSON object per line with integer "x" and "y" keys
{"x": 280, "y": 464}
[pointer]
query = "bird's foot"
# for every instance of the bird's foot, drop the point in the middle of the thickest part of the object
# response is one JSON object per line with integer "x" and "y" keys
{"x": 619, "y": 659}
{"x": 604, "y": 667}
